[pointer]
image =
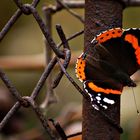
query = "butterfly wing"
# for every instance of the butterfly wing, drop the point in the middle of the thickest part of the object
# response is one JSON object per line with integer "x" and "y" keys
{"x": 102, "y": 89}
{"x": 125, "y": 49}
{"x": 108, "y": 65}
{"x": 131, "y": 43}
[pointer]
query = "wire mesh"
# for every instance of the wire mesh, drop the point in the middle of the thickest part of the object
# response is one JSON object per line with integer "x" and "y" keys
{"x": 65, "y": 54}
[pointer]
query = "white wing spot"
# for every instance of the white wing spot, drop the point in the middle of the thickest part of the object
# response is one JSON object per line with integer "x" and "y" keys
{"x": 86, "y": 90}
{"x": 104, "y": 106}
{"x": 98, "y": 101}
{"x": 93, "y": 39}
{"x": 109, "y": 101}
{"x": 91, "y": 99}
{"x": 98, "y": 98}
{"x": 84, "y": 85}
{"x": 90, "y": 95}
{"x": 95, "y": 107}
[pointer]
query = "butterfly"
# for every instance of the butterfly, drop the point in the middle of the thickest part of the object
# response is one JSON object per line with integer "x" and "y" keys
{"x": 106, "y": 66}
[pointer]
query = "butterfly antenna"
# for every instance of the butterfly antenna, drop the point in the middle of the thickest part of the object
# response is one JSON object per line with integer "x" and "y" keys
{"x": 138, "y": 113}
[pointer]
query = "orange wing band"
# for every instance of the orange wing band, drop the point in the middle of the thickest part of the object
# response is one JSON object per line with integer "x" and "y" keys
{"x": 134, "y": 41}
{"x": 99, "y": 89}
{"x": 80, "y": 69}
{"x": 112, "y": 33}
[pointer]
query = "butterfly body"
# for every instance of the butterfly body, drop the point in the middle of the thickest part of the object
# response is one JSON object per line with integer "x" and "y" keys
{"x": 106, "y": 67}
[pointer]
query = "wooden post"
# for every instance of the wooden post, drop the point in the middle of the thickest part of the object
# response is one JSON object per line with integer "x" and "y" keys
{"x": 100, "y": 15}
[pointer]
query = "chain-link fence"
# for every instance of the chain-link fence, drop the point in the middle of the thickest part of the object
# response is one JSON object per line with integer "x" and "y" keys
{"x": 46, "y": 78}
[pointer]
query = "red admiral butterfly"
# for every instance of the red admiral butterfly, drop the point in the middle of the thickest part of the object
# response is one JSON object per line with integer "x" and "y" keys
{"x": 105, "y": 67}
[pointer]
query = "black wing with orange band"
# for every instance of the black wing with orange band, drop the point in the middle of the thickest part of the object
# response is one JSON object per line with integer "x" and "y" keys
{"x": 106, "y": 68}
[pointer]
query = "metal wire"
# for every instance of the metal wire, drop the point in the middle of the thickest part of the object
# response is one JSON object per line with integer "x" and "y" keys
{"x": 65, "y": 54}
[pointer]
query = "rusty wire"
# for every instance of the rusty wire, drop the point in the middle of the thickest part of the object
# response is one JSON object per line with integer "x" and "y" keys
{"x": 65, "y": 54}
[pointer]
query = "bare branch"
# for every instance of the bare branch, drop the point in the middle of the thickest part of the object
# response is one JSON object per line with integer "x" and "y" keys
{"x": 70, "y": 11}
{"x": 74, "y": 3}
{"x": 131, "y": 2}
{"x": 9, "y": 115}
{"x": 75, "y": 134}
{"x": 41, "y": 117}
{"x": 67, "y": 55}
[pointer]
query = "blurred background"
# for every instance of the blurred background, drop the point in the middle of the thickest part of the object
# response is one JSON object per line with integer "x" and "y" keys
{"x": 25, "y": 41}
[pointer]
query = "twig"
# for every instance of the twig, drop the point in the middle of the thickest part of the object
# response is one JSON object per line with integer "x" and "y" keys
{"x": 43, "y": 78}
{"x": 75, "y": 134}
{"x": 41, "y": 117}
{"x": 45, "y": 31}
{"x": 67, "y": 55}
{"x": 131, "y": 2}
{"x": 13, "y": 19}
{"x": 9, "y": 24}
{"x": 75, "y": 3}
{"x": 10, "y": 86}
{"x": 71, "y": 37}
{"x": 72, "y": 81}
{"x": 35, "y": 3}
{"x": 71, "y": 11}
{"x": 9, "y": 115}
{"x": 65, "y": 42}
{"x": 59, "y": 129}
